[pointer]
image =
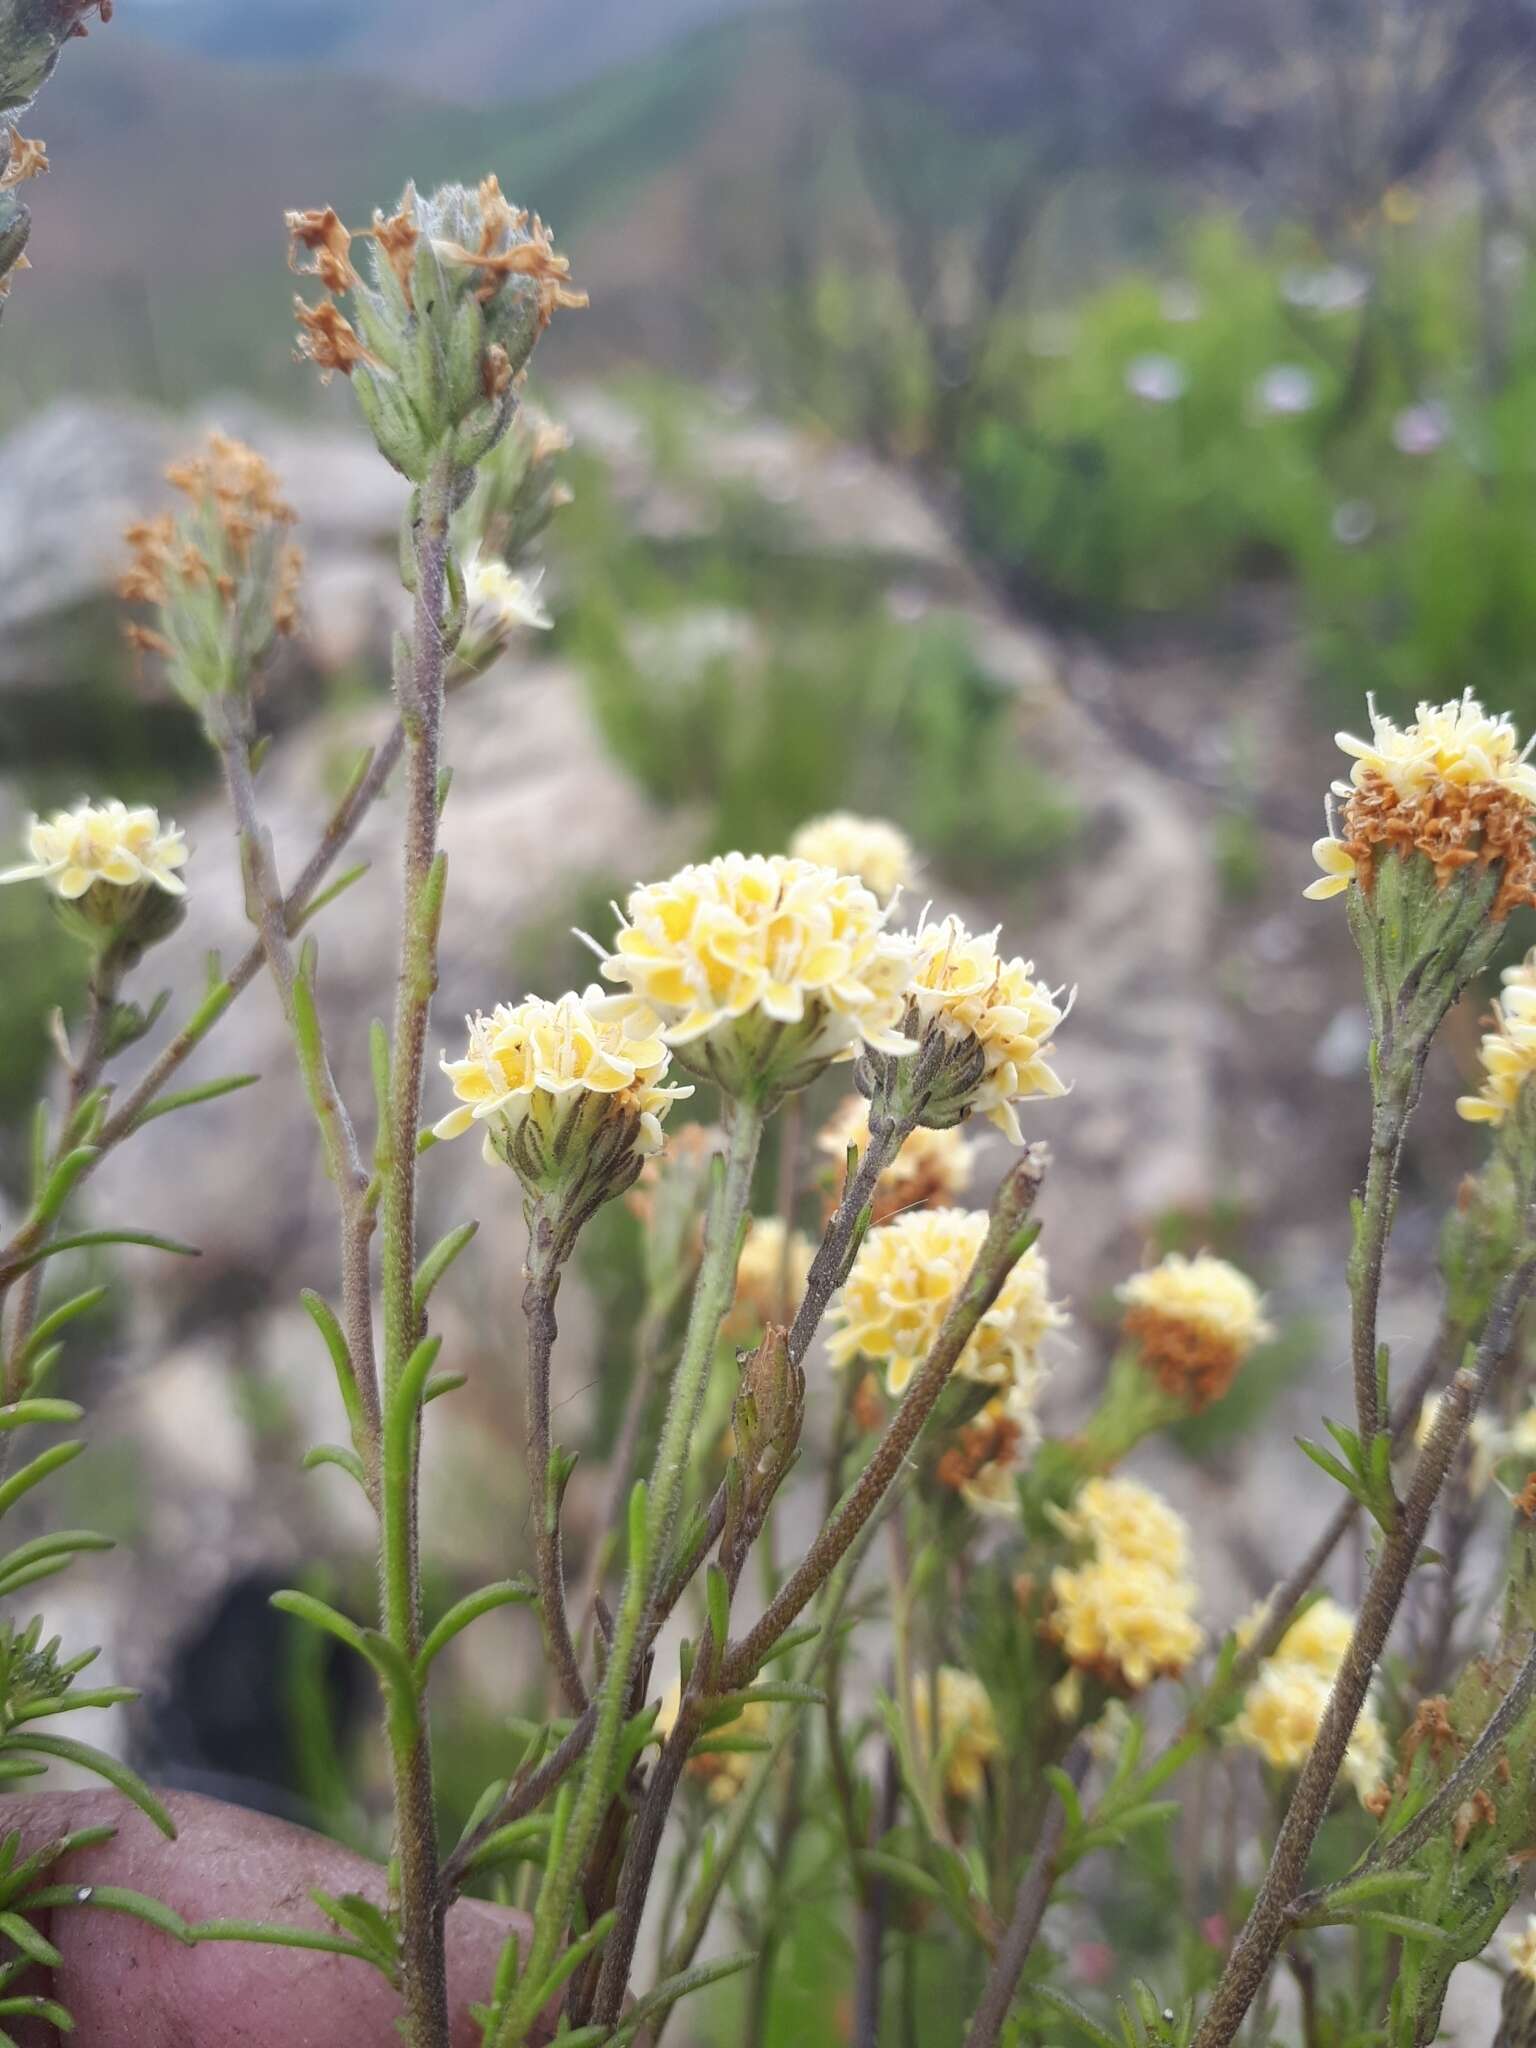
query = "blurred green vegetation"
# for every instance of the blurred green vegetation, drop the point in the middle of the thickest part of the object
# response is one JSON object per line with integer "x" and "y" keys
{"x": 754, "y": 682}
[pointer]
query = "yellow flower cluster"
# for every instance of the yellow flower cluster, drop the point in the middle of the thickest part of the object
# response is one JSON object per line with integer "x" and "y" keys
{"x": 761, "y": 961}
{"x": 722, "y": 1772}
{"x": 535, "y": 1055}
{"x": 1508, "y": 1052}
{"x": 906, "y": 1276}
{"x": 961, "y": 986}
{"x": 124, "y": 847}
{"x": 1283, "y": 1708}
{"x": 879, "y": 854}
{"x": 1521, "y": 1950}
{"x": 1454, "y": 785}
{"x": 1194, "y": 1322}
{"x": 967, "y": 1728}
{"x": 932, "y": 1167}
{"x": 1126, "y": 1615}
{"x": 770, "y": 1275}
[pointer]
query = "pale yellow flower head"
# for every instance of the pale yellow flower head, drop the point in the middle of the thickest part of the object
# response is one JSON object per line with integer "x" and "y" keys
{"x": 931, "y": 1169}
{"x": 967, "y": 1734}
{"x": 1508, "y": 1052}
{"x": 1125, "y": 1620}
{"x": 880, "y": 854}
{"x": 498, "y": 603}
{"x": 532, "y": 1066}
{"x": 1122, "y": 1518}
{"x": 771, "y": 1274}
{"x": 1459, "y": 744}
{"x": 1520, "y": 1948}
{"x": 907, "y": 1274}
{"x": 961, "y": 987}
{"x": 764, "y": 969}
{"x": 981, "y": 1462}
{"x": 124, "y": 847}
{"x": 1454, "y": 785}
{"x": 1282, "y": 1712}
{"x": 722, "y": 1773}
{"x": 1194, "y": 1322}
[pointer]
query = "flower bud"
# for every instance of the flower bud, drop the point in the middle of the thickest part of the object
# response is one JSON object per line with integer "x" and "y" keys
{"x": 569, "y": 1094}
{"x": 460, "y": 286}
{"x": 766, "y": 1422}
{"x": 220, "y": 574}
{"x": 764, "y": 970}
{"x": 112, "y": 870}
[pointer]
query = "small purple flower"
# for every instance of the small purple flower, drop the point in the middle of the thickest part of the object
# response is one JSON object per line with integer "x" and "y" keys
{"x": 1421, "y": 429}
{"x": 1156, "y": 380}
{"x": 1285, "y": 391}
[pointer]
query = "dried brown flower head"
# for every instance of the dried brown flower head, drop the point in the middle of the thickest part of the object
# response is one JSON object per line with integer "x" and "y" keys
{"x": 27, "y": 159}
{"x": 328, "y": 339}
{"x": 397, "y": 236}
{"x": 320, "y": 231}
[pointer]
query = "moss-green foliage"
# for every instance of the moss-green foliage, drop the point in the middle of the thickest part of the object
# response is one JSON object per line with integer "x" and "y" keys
{"x": 1413, "y": 569}
{"x": 818, "y": 700}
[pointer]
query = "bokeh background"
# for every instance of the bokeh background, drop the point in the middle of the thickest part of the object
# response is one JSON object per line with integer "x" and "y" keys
{"x": 1037, "y": 421}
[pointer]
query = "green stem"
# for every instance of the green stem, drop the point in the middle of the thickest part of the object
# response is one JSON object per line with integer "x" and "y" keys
{"x": 539, "y": 1311}
{"x": 420, "y": 680}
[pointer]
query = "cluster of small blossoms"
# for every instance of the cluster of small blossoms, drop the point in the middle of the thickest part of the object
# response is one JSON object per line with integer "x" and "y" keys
{"x": 1283, "y": 1707}
{"x": 966, "y": 1739}
{"x": 930, "y": 1170}
{"x": 1125, "y": 1616}
{"x": 113, "y": 866}
{"x": 1193, "y": 1323}
{"x": 1508, "y": 1052}
{"x": 1454, "y": 786}
{"x": 878, "y": 853}
{"x": 570, "y": 1094}
{"x": 982, "y": 1460}
{"x": 904, "y": 1280}
{"x": 462, "y": 285}
{"x": 721, "y": 1773}
{"x": 764, "y": 969}
{"x": 770, "y": 1275}
{"x": 978, "y": 1001}
{"x": 222, "y": 576}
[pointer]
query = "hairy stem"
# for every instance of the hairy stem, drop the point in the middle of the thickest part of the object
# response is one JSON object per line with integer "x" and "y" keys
{"x": 1372, "y": 1229}
{"x": 1005, "y": 1242}
{"x": 1269, "y": 1919}
{"x": 539, "y": 1309}
{"x": 419, "y": 682}
{"x": 1030, "y": 1902}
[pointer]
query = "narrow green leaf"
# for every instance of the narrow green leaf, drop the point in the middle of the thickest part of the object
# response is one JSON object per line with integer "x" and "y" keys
{"x": 66, "y": 1750}
{"x": 74, "y": 1702}
{"x": 1331, "y": 1466}
{"x": 84, "y": 1240}
{"x": 438, "y": 1260}
{"x": 112, "y": 1898}
{"x": 336, "y": 1454}
{"x": 42, "y": 1467}
{"x": 33, "y": 1945}
{"x": 305, "y": 1607}
{"x": 504, "y": 1593}
{"x": 280, "y": 1937}
{"x": 443, "y": 1383}
{"x": 22, "y": 1414}
{"x": 30, "y": 2008}
{"x": 58, "y": 1318}
{"x": 323, "y": 1316}
{"x": 188, "y": 1098}
{"x": 339, "y": 887}
{"x": 60, "y": 1183}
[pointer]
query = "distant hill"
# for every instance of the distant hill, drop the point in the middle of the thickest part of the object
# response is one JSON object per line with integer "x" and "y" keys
{"x": 474, "y": 51}
{"x": 158, "y": 243}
